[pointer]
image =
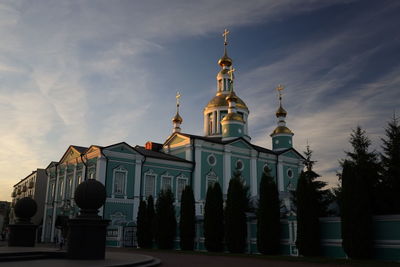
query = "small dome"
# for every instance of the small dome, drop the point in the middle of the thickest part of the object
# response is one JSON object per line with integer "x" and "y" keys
{"x": 220, "y": 101}
{"x": 282, "y": 130}
{"x": 232, "y": 117}
{"x": 177, "y": 118}
{"x": 281, "y": 112}
{"x": 225, "y": 61}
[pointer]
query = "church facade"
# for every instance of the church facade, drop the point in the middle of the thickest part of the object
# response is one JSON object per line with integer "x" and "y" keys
{"x": 131, "y": 173}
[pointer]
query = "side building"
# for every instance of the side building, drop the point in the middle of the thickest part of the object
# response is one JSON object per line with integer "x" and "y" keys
{"x": 34, "y": 186}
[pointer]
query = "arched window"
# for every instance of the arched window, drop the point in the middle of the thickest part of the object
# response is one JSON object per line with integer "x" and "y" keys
{"x": 211, "y": 179}
{"x": 181, "y": 183}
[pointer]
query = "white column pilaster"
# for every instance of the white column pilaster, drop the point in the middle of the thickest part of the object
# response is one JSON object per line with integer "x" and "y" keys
{"x": 55, "y": 205}
{"x": 280, "y": 175}
{"x": 73, "y": 185}
{"x": 253, "y": 173}
{"x": 46, "y": 204}
{"x": 197, "y": 172}
{"x": 101, "y": 169}
{"x": 227, "y": 169}
{"x": 136, "y": 189}
{"x": 205, "y": 123}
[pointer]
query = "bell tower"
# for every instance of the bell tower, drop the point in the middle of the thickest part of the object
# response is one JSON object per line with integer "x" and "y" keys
{"x": 282, "y": 136}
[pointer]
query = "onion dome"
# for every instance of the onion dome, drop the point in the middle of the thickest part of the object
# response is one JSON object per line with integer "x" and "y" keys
{"x": 177, "y": 118}
{"x": 233, "y": 117}
{"x": 220, "y": 101}
{"x": 281, "y": 112}
{"x": 282, "y": 130}
{"x": 225, "y": 60}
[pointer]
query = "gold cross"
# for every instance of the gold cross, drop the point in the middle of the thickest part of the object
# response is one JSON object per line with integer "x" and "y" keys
{"x": 230, "y": 72}
{"x": 225, "y": 35}
{"x": 178, "y": 96}
{"x": 280, "y": 89}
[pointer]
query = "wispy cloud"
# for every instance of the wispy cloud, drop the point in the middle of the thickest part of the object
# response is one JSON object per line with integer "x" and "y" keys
{"x": 74, "y": 72}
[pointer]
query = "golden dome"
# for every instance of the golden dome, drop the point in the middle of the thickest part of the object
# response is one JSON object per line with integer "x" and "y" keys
{"x": 233, "y": 117}
{"x": 281, "y": 112}
{"x": 231, "y": 97}
{"x": 220, "y": 101}
{"x": 177, "y": 118}
{"x": 225, "y": 61}
{"x": 282, "y": 130}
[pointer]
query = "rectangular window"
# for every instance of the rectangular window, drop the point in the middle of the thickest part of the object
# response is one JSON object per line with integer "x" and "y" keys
{"x": 52, "y": 192}
{"x": 150, "y": 182}
{"x": 166, "y": 183}
{"x": 181, "y": 185}
{"x": 119, "y": 183}
{"x": 61, "y": 188}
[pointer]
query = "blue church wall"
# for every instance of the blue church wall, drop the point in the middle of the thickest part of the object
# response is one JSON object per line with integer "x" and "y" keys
{"x": 207, "y": 168}
{"x": 124, "y": 164}
{"x": 260, "y": 170}
{"x": 163, "y": 169}
{"x": 245, "y": 172}
{"x": 125, "y": 210}
{"x": 290, "y": 182}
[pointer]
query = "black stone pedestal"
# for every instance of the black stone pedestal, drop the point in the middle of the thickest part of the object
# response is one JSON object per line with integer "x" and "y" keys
{"x": 86, "y": 238}
{"x": 22, "y": 235}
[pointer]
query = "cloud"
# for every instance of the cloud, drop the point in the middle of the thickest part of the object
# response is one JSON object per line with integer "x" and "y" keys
{"x": 76, "y": 73}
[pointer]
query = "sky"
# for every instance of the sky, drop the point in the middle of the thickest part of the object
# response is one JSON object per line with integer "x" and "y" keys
{"x": 102, "y": 72}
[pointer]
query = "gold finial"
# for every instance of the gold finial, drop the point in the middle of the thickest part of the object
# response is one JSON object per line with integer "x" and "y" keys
{"x": 225, "y": 35}
{"x": 280, "y": 89}
{"x": 178, "y": 96}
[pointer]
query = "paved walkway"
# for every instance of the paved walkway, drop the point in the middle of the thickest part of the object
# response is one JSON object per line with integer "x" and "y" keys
{"x": 169, "y": 259}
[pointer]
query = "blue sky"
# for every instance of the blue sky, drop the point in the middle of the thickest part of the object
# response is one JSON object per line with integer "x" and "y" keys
{"x": 101, "y": 72}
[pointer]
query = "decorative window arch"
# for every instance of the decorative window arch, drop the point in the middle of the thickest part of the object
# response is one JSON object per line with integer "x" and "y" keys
{"x": 149, "y": 185}
{"x": 119, "y": 185}
{"x": 211, "y": 179}
{"x": 181, "y": 182}
{"x": 118, "y": 218}
{"x": 166, "y": 181}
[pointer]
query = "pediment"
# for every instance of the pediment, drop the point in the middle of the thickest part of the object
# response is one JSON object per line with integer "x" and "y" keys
{"x": 177, "y": 140}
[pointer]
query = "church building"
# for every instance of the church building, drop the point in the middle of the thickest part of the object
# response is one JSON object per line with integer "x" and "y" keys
{"x": 131, "y": 173}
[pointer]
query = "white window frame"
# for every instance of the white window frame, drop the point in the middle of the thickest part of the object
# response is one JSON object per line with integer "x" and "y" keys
{"x": 167, "y": 176}
{"x": 208, "y": 160}
{"x": 125, "y": 171}
{"x": 184, "y": 178}
{"x": 211, "y": 176}
{"x": 237, "y": 161}
{"x": 150, "y": 173}
{"x": 287, "y": 173}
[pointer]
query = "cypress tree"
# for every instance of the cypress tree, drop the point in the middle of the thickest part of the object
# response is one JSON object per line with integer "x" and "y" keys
{"x": 149, "y": 227}
{"x": 141, "y": 225}
{"x": 359, "y": 178}
{"x": 213, "y": 219}
{"x": 311, "y": 203}
{"x": 187, "y": 219}
{"x": 390, "y": 159}
{"x": 268, "y": 216}
{"x": 235, "y": 215}
{"x": 165, "y": 220}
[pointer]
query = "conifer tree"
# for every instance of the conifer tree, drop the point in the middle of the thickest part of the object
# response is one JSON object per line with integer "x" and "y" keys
{"x": 390, "y": 159}
{"x": 213, "y": 219}
{"x": 268, "y": 216}
{"x": 359, "y": 178}
{"x": 165, "y": 220}
{"x": 187, "y": 219}
{"x": 141, "y": 225}
{"x": 235, "y": 215}
{"x": 149, "y": 227}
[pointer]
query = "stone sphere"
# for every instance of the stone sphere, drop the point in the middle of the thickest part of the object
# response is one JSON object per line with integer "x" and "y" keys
{"x": 25, "y": 208}
{"x": 90, "y": 195}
